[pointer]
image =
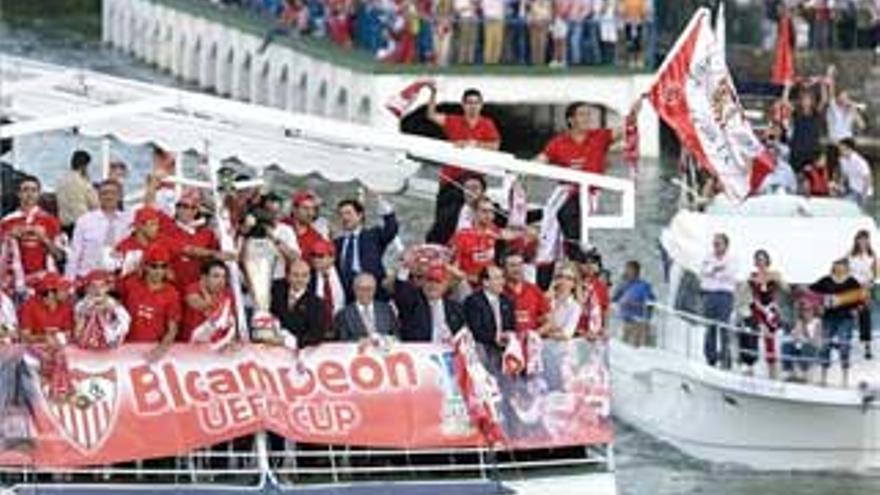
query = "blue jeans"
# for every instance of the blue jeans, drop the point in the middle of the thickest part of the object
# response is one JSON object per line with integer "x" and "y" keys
{"x": 717, "y": 306}
{"x": 798, "y": 354}
{"x": 837, "y": 333}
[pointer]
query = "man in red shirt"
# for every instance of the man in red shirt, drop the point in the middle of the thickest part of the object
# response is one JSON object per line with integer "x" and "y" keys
{"x": 474, "y": 247}
{"x": 195, "y": 240}
{"x": 584, "y": 146}
{"x": 304, "y": 214}
{"x": 470, "y": 129}
{"x": 596, "y": 298}
{"x": 147, "y": 229}
{"x": 47, "y": 313}
{"x": 152, "y": 303}
{"x": 32, "y": 241}
{"x": 208, "y": 313}
{"x": 530, "y": 306}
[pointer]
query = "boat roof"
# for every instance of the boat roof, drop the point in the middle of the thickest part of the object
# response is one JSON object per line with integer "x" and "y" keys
{"x": 41, "y": 97}
{"x": 802, "y": 235}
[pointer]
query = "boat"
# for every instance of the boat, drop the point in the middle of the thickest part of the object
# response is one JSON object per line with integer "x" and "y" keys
{"x": 337, "y": 453}
{"x": 726, "y": 416}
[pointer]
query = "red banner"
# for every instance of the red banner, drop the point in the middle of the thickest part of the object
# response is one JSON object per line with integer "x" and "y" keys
{"x": 404, "y": 396}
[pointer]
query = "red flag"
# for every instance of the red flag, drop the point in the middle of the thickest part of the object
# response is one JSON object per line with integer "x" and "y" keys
{"x": 401, "y": 103}
{"x": 783, "y": 65}
{"x": 694, "y": 94}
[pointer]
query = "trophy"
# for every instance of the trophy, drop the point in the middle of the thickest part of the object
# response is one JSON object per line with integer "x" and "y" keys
{"x": 261, "y": 256}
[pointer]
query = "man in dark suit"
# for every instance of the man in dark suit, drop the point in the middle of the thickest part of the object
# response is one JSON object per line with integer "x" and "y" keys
{"x": 365, "y": 317}
{"x": 360, "y": 249}
{"x": 489, "y": 312}
{"x": 298, "y": 309}
{"x": 426, "y": 314}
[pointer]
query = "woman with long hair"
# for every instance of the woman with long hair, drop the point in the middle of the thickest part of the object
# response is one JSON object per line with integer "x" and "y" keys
{"x": 863, "y": 266}
{"x": 565, "y": 307}
{"x": 765, "y": 317}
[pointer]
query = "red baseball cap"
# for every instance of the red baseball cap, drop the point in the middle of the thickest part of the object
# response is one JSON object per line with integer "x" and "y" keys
{"x": 437, "y": 273}
{"x": 52, "y": 281}
{"x": 156, "y": 254}
{"x": 301, "y": 197}
{"x": 96, "y": 275}
{"x": 147, "y": 214}
{"x": 323, "y": 248}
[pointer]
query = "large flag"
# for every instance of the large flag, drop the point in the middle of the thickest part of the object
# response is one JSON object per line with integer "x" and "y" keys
{"x": 783, "y": 64}
{"x": 694, "y": 94}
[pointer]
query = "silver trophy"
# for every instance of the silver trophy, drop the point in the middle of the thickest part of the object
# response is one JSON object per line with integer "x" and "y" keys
{"x": 261, "y": 257}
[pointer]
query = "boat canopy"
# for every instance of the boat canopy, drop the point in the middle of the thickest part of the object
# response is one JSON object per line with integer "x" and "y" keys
{"x": 40, "y": 97}
{"x": 802, "y": 235}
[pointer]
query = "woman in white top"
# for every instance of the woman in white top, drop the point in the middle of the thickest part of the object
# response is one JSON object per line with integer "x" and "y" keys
{"x": 565, "y": 311}
{"x": 863, "y": 266}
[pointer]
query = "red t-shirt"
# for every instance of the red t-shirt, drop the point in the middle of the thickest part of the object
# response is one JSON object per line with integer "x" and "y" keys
{"x": 151, "y": 310}
{"x": 456, "y": 128}
{"x": 474, "y": 249}
{"x": 36, "y": 316}
{"x": 529, "y": 305}
{"x": 588, "y": 155}
{"x": 34, "y": 255}
{"x": 307, "y": 238}
{"x": 188, "y": 269}
{"x": 819, "y": 180}
{"x": 192, "y": 317}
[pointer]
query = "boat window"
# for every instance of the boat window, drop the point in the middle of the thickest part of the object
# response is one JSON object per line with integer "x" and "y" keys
{"x": 687, "y": 298}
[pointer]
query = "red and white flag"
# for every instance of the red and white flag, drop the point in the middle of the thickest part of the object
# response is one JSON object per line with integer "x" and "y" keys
{"x": 695, "y": 96}
{"x": 401, "y": 103}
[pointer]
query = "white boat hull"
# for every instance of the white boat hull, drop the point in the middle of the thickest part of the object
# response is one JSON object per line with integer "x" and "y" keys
{"x": 723, "y": 417}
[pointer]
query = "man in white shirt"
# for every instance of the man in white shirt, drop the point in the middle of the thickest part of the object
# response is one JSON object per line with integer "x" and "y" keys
{"x": 856, "y": 171}
{"x": 842, "y": 115}
{"x": 97, "y": 232}
{"x": 718, "y": 284}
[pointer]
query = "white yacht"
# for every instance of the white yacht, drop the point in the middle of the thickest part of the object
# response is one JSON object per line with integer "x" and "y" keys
{"x": 728, "y": 416}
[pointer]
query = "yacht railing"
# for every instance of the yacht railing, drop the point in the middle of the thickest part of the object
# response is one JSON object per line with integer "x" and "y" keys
{"x": 683, "y": 332}
{"x": 247, "y": 462}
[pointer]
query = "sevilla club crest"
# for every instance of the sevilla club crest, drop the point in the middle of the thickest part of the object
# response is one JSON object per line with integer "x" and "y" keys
{"x": 86, "y": 421}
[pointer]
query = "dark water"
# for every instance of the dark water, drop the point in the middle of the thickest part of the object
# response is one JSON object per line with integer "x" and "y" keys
{"x": 68, "y": 32}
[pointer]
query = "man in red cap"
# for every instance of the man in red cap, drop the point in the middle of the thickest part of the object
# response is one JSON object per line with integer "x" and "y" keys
{"x": 304, "y": 215}
{"x": 147, "y": 228}
{"x": 32, "y": 241}
{"x": 325, "y": 282}
{"x": 426, "y": 314}
{"x": 196, "y": 240}
{"x": 152, "y": 303}
{"x": 46, "y": 323}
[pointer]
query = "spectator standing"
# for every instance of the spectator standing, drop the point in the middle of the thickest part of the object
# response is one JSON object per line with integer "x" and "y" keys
{"x": 842, "y": 296}
{"x": 579, "y": 11}
{"x": 765, "y": 317}
{"x": 806, "y": 132}
{"x": 309, "y": 229}
{"x": 843, "y": 115}
{"x": 468, "y": 30}
{"x": 196, "y": 239}
{"x": 326, "y": 283}
{"x": 493, "y": 30}
{"x": 608, "y": 32}
{"x": 539, "y": 17}
{"x": 152, "y": 303}
{"x": 632, "y": 297}
{"x": 718, "y": 284}
{"x": 470, "y": 129}
{"x": 101, "y": 322}
{"x": 633, "y": 14}
{"x": 516, "y": 33}
{"x": 863, "y": 265}
{"x": 208, "y": 306}
{"x": 443, "y": 30}
{"x": 855, "y": 172}
{"x": 75, "y": 194}
{"x": 820, "y": 27}
{"x": 559, "y": 32}
{"x": 474, "y": 248}
{"x": 97, "y": 232}
{"x": 146, "y": 232}
{"x": 489, "y": 312}
{"x": 32, "y": 241}
{"x": 565, "y": 308}
{"x": 595, "y": 299}
{"x": 426, "y": 313}
{"x": 531, "y": 308}
{"x": 361, "y": 248}
{"x": 300, "y": 311}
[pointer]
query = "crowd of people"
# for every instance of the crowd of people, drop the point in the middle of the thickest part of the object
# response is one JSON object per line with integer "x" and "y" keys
{"x": 825, "y": 317}
{"x": 443, "y": 32}
{"x": 824, "y": 24}
{"x": 89, "y": 272}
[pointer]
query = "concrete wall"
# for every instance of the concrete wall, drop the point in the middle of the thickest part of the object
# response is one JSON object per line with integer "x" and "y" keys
{"x": 226, "y": 61}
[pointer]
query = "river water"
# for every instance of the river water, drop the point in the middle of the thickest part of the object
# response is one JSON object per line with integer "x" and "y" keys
{"x": 68, "y": 32}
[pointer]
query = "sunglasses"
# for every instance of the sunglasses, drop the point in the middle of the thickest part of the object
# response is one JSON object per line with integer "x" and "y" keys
{"x": 187, "y": 206}
{"x": 157, "y": 266}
